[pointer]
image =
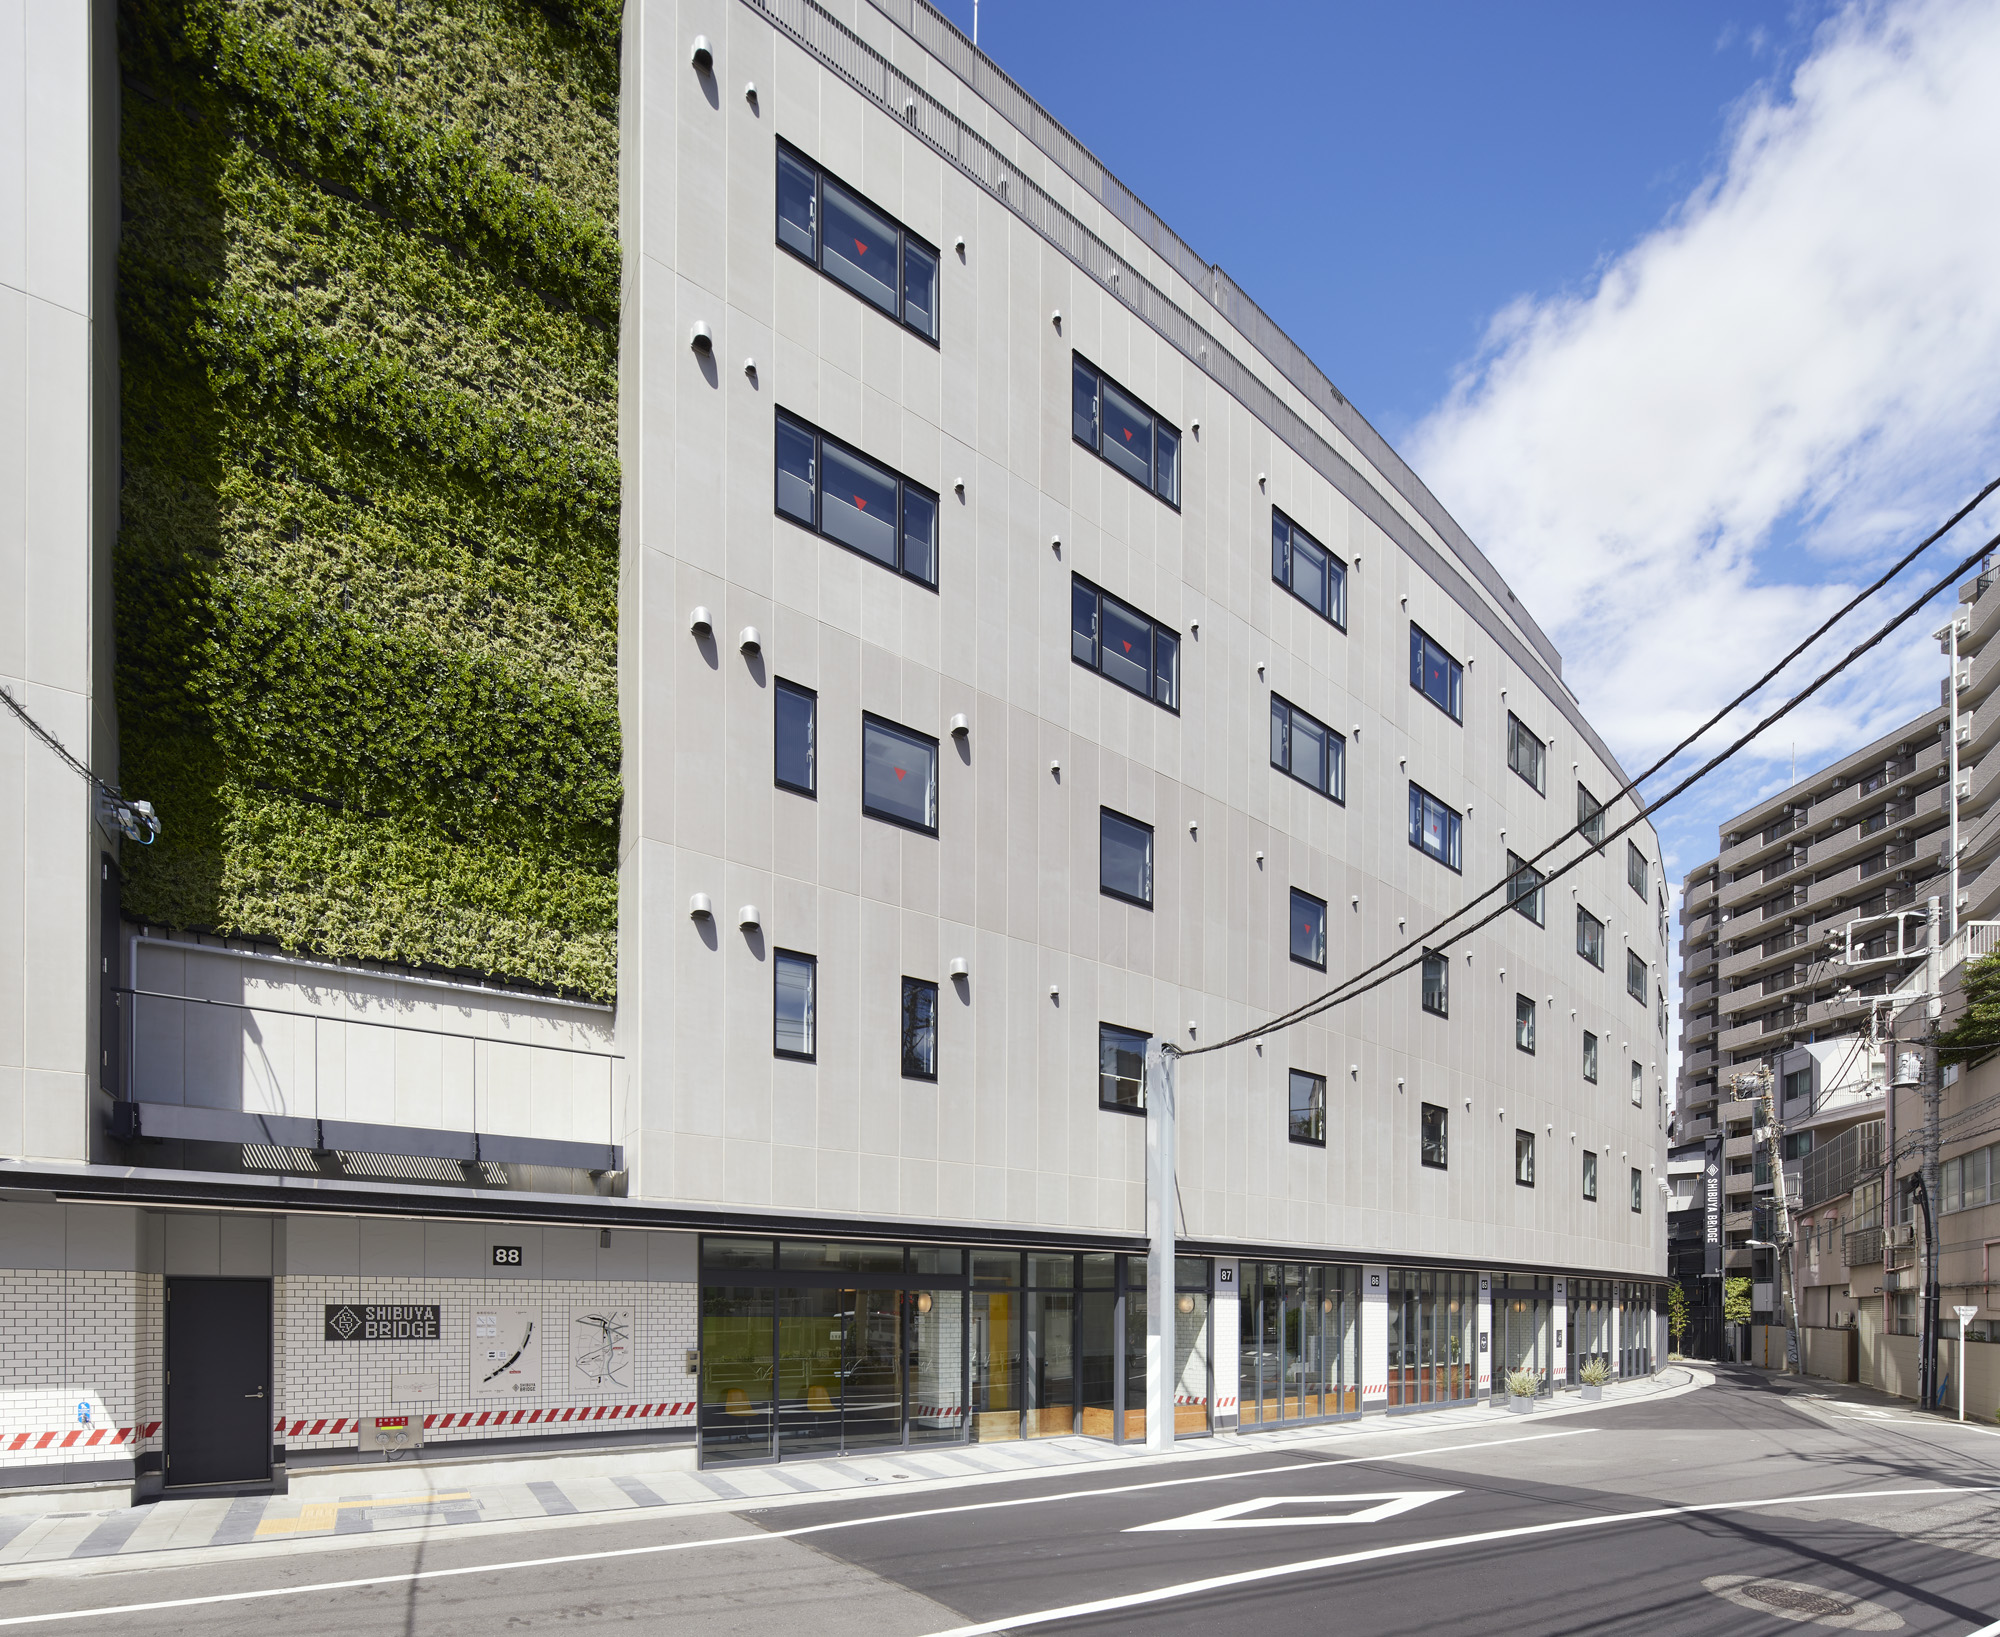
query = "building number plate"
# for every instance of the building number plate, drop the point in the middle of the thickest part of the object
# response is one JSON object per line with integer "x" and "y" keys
{"x": 506, "y": 1256}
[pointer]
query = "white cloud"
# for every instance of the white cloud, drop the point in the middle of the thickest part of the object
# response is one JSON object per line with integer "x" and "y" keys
{"x": 1808, "y": 348}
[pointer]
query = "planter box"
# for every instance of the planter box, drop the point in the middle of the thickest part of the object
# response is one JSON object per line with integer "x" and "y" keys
{"x": 1592, "y": 1391}
{"x": 1520, "y": 1406}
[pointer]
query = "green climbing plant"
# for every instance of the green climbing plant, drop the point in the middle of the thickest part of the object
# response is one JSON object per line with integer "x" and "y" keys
{"x": 366, "y": 581}
{"x": 1736, "y": 1299}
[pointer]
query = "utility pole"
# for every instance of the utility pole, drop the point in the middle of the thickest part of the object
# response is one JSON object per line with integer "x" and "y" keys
{"x": 1933, "y": 1101}
{"x": 1781, "y": 1227}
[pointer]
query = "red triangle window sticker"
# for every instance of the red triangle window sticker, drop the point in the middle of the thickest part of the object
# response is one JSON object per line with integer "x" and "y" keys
{"x": 900, "y": 772}
{"x": 1128, "y": 647}
{"x": 1128, "y": 434}
{"x": 858, "y": 501}
{"x": 860, "y": 249}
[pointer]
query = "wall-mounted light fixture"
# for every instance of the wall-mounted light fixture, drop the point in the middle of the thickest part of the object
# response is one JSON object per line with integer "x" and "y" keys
{"x": 747, "y": 917}
{"x": 749, "y": 639}
{"x": 699, "y": 907}
{"x": 699, "y": 623}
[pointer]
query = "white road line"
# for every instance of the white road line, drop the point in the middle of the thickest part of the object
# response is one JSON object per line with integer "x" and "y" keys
{"x": 1280, "y": 1571}
{"x": 766, "y": 1535}
{"x": 1986, "y": 1631}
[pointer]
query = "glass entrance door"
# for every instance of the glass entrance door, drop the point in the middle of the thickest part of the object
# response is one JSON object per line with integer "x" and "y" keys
{"x": 1521, "y": 1318}
{"x": 840, "y": 1379}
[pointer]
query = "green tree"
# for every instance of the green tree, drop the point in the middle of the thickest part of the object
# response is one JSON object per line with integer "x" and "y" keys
{"x": 1736, "y": 1299}
{"x": 1977, "y": 1032}
{"x": 1677, "y": 1311}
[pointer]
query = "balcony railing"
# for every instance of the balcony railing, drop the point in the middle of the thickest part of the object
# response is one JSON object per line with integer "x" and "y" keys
{"x": 501, "y": 1090}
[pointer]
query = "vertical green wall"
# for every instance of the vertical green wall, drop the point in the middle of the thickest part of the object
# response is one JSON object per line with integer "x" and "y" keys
{"x": 367, "y": 567}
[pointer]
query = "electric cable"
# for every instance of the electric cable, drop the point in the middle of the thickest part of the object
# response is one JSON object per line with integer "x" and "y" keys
{"x": 136, "y": 820}
{"x": 1353, "y": 988}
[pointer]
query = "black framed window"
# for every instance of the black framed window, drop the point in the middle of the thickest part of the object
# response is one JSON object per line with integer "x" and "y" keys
{"x": 1526, "y": 754}
{"x": 1124, "y": 858}
{"x": 1307, "y": 1120}
{"x": 1308, "y": 929}
{"x": 1119, "y": 429}
{"x": 1133, "y": 649}
{"x": 1436, "y": 675}
{"x": 826, "y": 223}
{"x": 1121, "y": 1068}
{"x": 1590, "y": 937}
{"x": 1638, "y": 1193}
{"x": 1638, "y": 1084}
{"x": 1307, "y": 749}
{"x": 1524, "y": 1158}
{"x": 1637, "y": 871}
{"x": 1434, "y": 827}
{"x": 1436, "y": 1129}
{"x": 1524, "y": 1023}
{"x": 1590, "y": 1176}
{"x": 795, "y": 737}
{"x": 1590, "y": 1057}
{"x": 794, "y": 981}
{"x": 1590, "y": 816}
{"x": 919, "y": 1031}
{"x": 899, "y": 772}
{"x": 1308, "y": 570}
{"x": 1524, "y": 888}
{"x": 840, "y": 493}
{"x": 1437, "y": 984}
{"x": 1635, "y": 976}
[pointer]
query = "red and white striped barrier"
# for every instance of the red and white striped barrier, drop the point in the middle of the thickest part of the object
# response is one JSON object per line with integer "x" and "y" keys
{"x": 308, "y": 1427}
{"x": 98, "y": 1435}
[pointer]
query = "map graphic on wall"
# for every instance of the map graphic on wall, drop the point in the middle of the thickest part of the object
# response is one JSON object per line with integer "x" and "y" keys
{"x": 600, "y": 1348}
{"x": 506, "y": 1351}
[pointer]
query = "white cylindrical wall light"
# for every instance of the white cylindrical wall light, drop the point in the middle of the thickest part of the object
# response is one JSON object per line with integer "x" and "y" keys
{"x": 701, "y": 338}
{"x": 747, "y": 917}
{"x": 960, "y": 726}
{"x": 699, "y": 907}
{"x": 699, "y": 622}
{"x": 749, "y": 639}
{"x": 959, "y": 968}
{"x": 702, "y": 55}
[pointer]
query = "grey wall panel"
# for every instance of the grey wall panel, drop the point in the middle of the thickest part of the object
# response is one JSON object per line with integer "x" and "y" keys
{"x": 194, "y": 1244}
{"x": 392, "y": 1247}
{"x": 245, "y": 1247}
{"x": 323, "y": 1244}
{"x": 32, "y": 1236}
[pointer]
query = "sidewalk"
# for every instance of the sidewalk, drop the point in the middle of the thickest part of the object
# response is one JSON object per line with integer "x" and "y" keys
{"x": 382, "y": 1499}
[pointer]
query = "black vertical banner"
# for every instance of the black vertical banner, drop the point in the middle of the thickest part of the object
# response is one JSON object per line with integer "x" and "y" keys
{"x": 1711, "y": 1211}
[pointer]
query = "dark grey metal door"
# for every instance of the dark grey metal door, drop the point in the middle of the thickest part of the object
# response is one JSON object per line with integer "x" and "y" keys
{"x": 218, "y": 1381}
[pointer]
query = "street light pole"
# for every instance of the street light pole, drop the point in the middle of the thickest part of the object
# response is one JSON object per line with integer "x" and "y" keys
{"x": 1160, "y": 1196}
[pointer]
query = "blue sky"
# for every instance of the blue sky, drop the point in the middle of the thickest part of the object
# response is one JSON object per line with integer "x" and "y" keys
{"x": 1688, "y": 312}
{"x": 1395, "y": 174}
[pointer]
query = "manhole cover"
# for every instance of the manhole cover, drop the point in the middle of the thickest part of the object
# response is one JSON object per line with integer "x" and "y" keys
{"x": 1781, "y": 1596}
{"x": 1794, "y": 1600}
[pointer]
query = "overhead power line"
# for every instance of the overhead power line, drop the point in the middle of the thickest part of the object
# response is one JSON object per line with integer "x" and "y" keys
{"x": 135, "y": 820}
{"x": 1429, "y": 942}
{"x": 1632, "y": 785}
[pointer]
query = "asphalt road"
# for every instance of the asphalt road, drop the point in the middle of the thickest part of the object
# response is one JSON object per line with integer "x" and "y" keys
{"x": 1738, "y": 1509}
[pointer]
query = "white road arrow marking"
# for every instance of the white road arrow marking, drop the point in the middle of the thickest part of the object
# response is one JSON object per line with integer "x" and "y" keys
{"x": 1389, "y": 1503}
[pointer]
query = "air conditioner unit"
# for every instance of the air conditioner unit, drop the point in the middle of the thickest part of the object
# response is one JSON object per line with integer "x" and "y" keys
{"x": 1904, "y": 1233}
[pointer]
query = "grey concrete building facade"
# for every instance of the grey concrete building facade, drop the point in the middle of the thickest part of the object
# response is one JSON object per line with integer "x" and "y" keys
{"x": 916, "y": 866}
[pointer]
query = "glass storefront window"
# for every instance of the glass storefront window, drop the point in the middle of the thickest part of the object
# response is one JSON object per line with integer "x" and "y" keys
{"x": 1433, "y": 1344}
{"x": 821, "y": 1348}
{"x": 1523, "y": 1310}
{"x": 835, "y": 1258}
{"x": 737, "y": 1345}
{"x": 996, "y": 1363}
{"x": 736, "y": 1253}
{"x": 1298, "y": 1342}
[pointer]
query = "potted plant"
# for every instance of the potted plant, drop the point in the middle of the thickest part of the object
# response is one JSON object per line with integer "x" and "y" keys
{"x": 1593, "y": 1375}
{"x": 1522, "y": 1385}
